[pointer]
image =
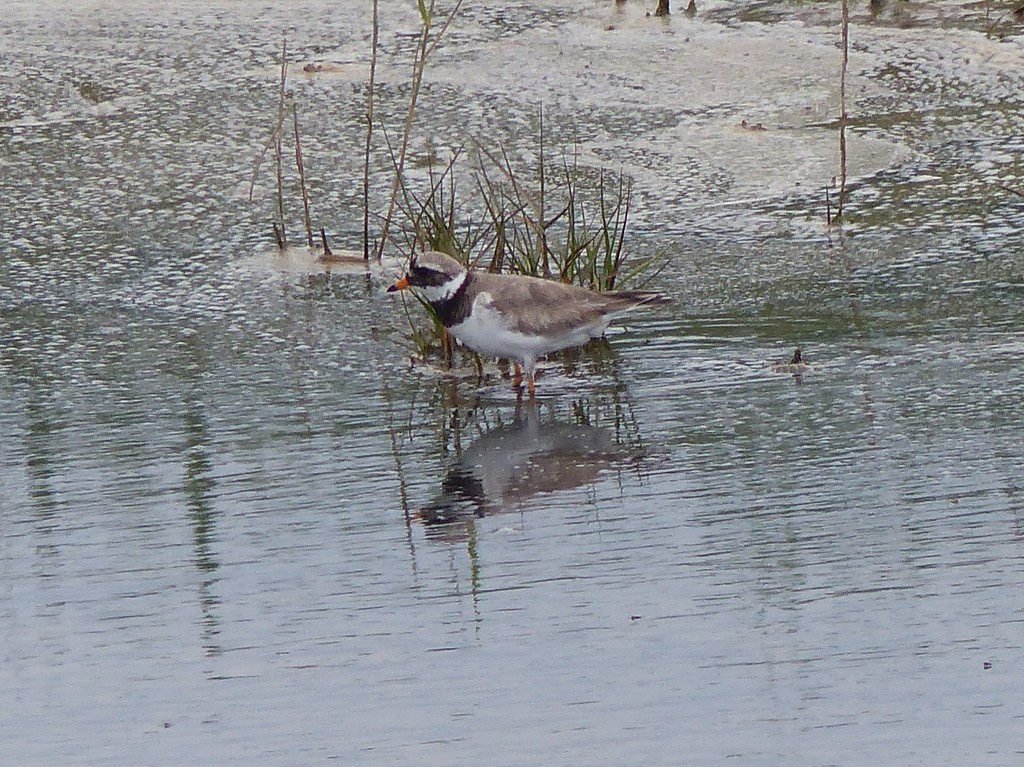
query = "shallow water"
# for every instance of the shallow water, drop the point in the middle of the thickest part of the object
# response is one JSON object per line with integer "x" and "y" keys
{"x": 222, "y": 482}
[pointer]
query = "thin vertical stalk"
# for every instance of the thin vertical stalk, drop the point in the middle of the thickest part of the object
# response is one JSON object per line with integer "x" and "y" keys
{"x": 844, "y": 61}
{"x": 419, "y": 64}
{"x": 542, "y": 240}
{"x": 369, "y": 131}
{"x": 302, "y": 176}
{"x": 277, "y": 142}
{"x": 425, "y": 47}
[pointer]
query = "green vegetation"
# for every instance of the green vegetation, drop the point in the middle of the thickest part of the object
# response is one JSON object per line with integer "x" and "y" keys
{"x": 562, "y": 220}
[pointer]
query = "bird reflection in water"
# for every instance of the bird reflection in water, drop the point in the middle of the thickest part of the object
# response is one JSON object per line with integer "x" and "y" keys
{"x": 506, "y": 468}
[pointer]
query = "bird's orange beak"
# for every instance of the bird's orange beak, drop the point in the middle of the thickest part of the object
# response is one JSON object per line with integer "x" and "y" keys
{"x": 400, "y": 284}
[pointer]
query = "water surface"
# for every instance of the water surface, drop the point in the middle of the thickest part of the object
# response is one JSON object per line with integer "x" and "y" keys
{"x": 238, "y": 526}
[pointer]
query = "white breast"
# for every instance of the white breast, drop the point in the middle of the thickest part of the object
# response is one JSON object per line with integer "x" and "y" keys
{"x": 488, "y": 332}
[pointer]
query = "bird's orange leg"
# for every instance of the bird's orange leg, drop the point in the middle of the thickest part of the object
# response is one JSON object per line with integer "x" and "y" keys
{"x": 517, "y": 376}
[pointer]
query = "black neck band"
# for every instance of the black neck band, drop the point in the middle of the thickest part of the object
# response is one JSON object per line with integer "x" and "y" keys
{"x": 454, "y": 309}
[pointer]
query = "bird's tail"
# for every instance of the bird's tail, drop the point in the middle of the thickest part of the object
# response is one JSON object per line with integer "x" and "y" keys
{"x": 640, "y": 297}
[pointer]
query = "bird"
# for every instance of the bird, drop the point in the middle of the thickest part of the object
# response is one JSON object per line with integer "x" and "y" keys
{"x": 515, "y": 317}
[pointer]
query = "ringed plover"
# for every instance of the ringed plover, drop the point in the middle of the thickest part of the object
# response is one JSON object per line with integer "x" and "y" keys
{"x": 515, "y": 316}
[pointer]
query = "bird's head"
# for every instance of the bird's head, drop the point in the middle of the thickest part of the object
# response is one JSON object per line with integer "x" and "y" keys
{"x": 436, "y": 275}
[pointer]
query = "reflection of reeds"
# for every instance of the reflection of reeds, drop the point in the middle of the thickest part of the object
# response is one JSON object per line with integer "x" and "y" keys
{"x": 403, "y": 490}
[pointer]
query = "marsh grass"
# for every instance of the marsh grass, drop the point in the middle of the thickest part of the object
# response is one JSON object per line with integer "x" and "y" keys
{"x": 844, "y": 61}
{"x": 560, "y": 219}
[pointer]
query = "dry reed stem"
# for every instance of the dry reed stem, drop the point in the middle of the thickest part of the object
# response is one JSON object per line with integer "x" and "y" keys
{"x": 419, "y": 64}
{"x": 844, "y": 62}
{"x": 302, "y": 176}
{"x": 277, "y": 142}
{"x": 542, "y": 238}
{"x": 425, "y": 47}
{"x": 369, "y": 130}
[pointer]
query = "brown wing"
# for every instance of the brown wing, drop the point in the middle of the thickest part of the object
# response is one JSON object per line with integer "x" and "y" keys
{"x": 544, "y": 306}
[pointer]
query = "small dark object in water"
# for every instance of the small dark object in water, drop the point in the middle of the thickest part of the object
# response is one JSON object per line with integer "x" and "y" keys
{"x": 752, "y": 126}
{"x": 987, "y": 665}
{"x": 795, "y": 367}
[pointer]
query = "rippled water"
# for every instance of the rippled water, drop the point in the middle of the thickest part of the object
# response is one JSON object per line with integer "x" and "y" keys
{"x": 237, "y": 526}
